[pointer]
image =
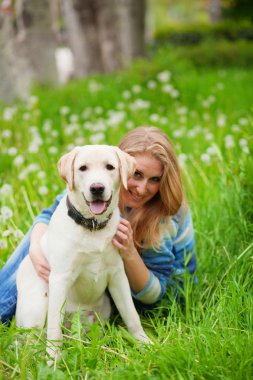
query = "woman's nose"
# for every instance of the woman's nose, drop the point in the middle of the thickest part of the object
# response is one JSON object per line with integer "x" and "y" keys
{"x": 142, "y": 188}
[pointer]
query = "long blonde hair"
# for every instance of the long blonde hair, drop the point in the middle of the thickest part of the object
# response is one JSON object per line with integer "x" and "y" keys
{"x": 145, "y": 221}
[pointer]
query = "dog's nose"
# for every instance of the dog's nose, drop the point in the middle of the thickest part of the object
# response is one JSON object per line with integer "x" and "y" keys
{"x": 97, "y": 188}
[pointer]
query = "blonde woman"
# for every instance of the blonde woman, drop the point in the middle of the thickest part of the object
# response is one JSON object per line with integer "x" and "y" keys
{"x": 155, "y": 235}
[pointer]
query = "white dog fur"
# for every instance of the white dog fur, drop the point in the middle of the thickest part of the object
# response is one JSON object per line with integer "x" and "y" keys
{"x": 83, "y": 263}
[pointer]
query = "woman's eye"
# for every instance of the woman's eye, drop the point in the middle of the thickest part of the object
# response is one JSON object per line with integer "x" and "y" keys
{"x": 155, "y": 179}
{"x": 83, "y": 168}
{"x": 137, "y": 174}
{"x": 110, "y": 167}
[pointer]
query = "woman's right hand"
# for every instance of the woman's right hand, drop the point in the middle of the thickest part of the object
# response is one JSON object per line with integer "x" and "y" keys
{"x": 39, "y": 261}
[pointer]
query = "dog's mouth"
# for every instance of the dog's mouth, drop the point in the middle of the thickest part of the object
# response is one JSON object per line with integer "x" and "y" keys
{"x": 98, "y": 206}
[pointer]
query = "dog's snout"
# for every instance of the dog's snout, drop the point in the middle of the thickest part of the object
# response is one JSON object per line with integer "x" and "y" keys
{"x": 97, "y": 189}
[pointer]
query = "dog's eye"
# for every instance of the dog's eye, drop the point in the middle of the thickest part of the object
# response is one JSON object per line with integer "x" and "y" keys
{"x": 110, "y": 167}
{"x": 83, "y": 168}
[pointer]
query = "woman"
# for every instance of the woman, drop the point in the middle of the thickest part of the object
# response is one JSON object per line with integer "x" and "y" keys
{"x": 154, "y": 237}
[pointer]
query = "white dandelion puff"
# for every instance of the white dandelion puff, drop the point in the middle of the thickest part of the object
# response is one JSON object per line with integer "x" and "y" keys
{"x": 136, "y": 89}
{"x": 126, "y": 94}
{"x": 243, "y": 142}
{"x": 182, "y": 157}
{"x": 164, "y": 76}
{"x": 18, "y": 234}
{"x": 41, "y": 174}
{"x": 19, "y": 160}
{"x": 5, "y": 190}
{"x": 43, "y": 190}
{"x": 6, "y": 212}
{"x": 205, "y": 158}
{"x": 222, "y": 120}
{"x": 53, "y": 150}
{"x": 229, "y": 141}
{"x": 151, "y": 84}
{"x": 12, "y": 151}
{"x": 7, "y": 133}
{"x": 3, "y": 244}
{"x": 64, "y": 110}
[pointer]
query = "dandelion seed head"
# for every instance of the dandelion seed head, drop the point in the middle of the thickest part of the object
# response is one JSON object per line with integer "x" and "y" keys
{"x": 229, "y": 141}
{"x": 164, "y": 76}
{"x": 19, "y": 160}
{"x": 6, "y": 189}
{"x": 43, "y": 190}
{"x": 7, "y": 133}
{"x": 205, "y": 158}
{"x": 6, "y": 212}
{"x": 126, "y": 94}
{"x": 151, "y": 84}
{"x": 53, "y": 150}
{"x": 64, "y": 110}
{"x": 3, "y": 244}
{"x": 182, "y": 157}
{"x": 136, "y": 89}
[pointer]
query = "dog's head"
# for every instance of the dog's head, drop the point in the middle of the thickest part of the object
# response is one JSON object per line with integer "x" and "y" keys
{"x": 94, "y": 174}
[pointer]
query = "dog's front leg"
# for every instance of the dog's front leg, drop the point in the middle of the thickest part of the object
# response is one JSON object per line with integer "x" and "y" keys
{"x": 121, "y": 294}
{"x": 58, "y": 286}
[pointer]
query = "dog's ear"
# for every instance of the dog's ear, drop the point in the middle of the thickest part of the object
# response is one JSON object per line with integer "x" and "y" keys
{"x": 66, "y": 167}
{"x": 127, "y": 165}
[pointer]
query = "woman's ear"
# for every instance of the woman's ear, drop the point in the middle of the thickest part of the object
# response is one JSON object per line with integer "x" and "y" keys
{"x": 66, "y": 167}
{"x": 127, "y": 165}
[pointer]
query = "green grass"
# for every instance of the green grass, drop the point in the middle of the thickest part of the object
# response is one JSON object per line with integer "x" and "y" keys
{"x": 207, "y": 112}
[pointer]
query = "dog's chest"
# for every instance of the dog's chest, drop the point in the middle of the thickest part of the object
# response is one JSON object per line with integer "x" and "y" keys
{"x": 92, "y": 273}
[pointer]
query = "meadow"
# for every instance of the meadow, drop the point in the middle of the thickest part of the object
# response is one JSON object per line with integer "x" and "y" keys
{"x": 207, "y": 114}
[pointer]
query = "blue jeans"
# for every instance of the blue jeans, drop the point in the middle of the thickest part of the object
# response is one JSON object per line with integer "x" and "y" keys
{"x": 8, "y": 288}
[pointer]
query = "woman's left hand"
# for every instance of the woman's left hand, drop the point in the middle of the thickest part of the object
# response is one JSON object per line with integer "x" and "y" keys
{"x": 123, "y": 240}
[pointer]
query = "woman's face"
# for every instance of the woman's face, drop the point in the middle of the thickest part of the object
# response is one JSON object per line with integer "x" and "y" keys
{"x": 145, "y": 183}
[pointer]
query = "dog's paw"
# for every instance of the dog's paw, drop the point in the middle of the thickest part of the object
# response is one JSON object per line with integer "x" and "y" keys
{"x": 53, "y": 352}
{"x": 143, "y": 338}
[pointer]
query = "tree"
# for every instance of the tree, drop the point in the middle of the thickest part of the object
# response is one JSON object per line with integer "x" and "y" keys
{"x": 27, "y": 47}
{"x": 104, "y": 34}
{"x": 214, "y": 10}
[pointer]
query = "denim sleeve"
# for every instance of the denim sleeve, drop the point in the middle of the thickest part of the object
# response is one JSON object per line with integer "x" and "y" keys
{"x": 184, "y": 247}
{"x": 46, "y": 214}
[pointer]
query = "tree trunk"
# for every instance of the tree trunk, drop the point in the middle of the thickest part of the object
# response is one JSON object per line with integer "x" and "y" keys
{"x": 39, "y": 39}
{"x": 80, "y": 22}
{"x": 107, "y": 34}
{"x": 131, "y": 28}
{"x": 214, "y": 9}
{"x": 104, "y": 34}
{"x": 27, "y": 48}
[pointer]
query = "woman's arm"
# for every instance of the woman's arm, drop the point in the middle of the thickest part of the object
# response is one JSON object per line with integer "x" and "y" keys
{"x": 144, "y": 284}
{"x": 39, "y": 228}
{"x": 39, "y": 261}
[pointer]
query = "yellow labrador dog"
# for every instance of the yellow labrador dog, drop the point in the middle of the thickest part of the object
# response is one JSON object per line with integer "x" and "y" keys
{"x": 78, "y": 247}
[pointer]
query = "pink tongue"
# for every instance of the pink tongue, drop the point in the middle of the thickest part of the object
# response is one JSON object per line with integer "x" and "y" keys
{"x": 97, "y": 207}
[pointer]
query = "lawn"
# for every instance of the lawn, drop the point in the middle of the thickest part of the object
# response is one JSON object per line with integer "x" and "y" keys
{"x": 207, "y": 113}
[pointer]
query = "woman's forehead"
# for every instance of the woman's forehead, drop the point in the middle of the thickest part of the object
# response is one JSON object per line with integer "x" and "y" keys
{"x": 148, "y": 163}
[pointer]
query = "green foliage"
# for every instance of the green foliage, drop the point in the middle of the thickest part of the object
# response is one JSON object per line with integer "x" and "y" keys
{"x": 219, "y": 54}
{"x": 239, "y": 10}
{"x": 207, "y": 113}
{"x": 190, "y": 34}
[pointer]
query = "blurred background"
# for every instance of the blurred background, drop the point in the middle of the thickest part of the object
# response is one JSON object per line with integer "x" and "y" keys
{"x": 53, "y": 42}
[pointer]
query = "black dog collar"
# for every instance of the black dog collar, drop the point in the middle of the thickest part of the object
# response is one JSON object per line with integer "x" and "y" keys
{"x": 91, "y": 224}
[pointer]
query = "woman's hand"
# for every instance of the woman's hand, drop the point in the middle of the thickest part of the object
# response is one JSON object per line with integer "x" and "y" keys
{"x": 137, "y": 273}
{"x": 123, "y": 240}
{"x": 39, "y": 261}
